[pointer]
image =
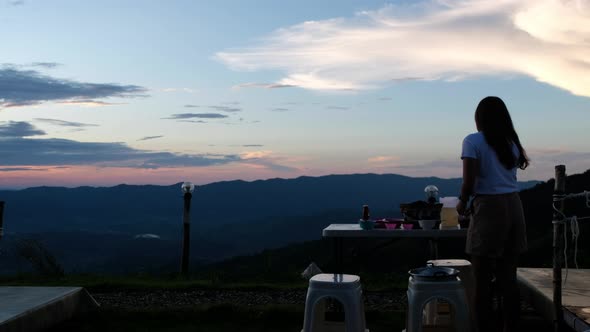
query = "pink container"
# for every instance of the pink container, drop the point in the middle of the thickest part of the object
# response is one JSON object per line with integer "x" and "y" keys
{"x": 390, "y": 226}
{"x": 407, "y": 226}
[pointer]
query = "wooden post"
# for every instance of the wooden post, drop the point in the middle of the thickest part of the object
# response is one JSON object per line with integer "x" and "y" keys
{"x": 558, "y": 245}
{"x": 186, "y": 235}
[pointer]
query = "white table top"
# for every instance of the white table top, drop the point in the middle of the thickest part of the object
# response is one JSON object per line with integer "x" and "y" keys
{"x": 354, "y": 230}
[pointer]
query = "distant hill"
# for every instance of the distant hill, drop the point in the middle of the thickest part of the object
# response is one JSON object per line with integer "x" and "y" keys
{"x": 152, "y": 209}
{"x": 90, "y": 227}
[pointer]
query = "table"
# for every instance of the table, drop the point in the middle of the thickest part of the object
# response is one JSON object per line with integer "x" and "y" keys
{"x": 341, "y": 231}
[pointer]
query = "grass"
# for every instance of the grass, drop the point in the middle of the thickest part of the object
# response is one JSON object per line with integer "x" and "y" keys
{"x": 107, "y": 283}
{"x": 147, "y": 282}
{"x": 222, "y": 318}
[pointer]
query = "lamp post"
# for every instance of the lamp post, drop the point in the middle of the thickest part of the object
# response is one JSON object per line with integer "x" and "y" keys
{"x": 1, "y": 219}
{"x": 187, "y": 190}
{"x": 431, "y": 193}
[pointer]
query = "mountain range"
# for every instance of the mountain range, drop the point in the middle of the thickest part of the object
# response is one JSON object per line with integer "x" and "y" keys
{"x": 129, "y": 227}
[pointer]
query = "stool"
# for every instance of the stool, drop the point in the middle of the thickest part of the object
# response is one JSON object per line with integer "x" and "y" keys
{"x": 467, "y": 278}
{"x": 421, "y": 292}
{"x": 347, "y": 290}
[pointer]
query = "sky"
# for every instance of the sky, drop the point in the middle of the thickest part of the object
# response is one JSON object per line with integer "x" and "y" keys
{"x": 157, "y": 92}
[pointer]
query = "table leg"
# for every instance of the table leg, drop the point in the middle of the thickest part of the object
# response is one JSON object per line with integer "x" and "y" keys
{"x": 338, "y": 255}
{"x": 337, "y": 311}
{"x": 433, "y": 248}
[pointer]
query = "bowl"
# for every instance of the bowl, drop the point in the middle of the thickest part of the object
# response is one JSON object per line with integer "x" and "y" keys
{"x": 427, "y": 224}
{"x": 366, "y": 224}
{"x": 407, "y": 226}
{"x": 390, "y": 226}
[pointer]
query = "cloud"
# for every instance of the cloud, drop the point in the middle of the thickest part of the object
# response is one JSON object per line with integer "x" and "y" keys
{"x": 408, "y": 79}
{"x": 146, "y": 138}
{"x": 16, "y": 2}
{"x": 265, "y": 159}
{"x": 547, "y": 157}
{"x": 338, "y": 108}
{"x": 46, "y": 65}
{"x": 29, "y": 87}
{"x": 18, "y": 129}
{"x": 191, "y": 106}
{"x": 181, "y": 116}
{"x": 20, "y": 153}
{"x": 31, "y": 169}
{"x": 263, "y": 85}
{"x": 16, "y": 150}
{"x": 88, "y": 103}
{"x": 187, "y": 90}
{"x": 193, "y": 121}
{"x": 280, "y": 109}
{"x": 226, "y": 109}
{"x": 22, "y": 169}
{"x": 447, "y": 40}
{"x": 382, "y": 159}
{"x": 435, "y": 164}
{"x": 63, "y": 123}
{"x": 385, "y": 98}
{"x": 255, "y": 154}
{"x": 543, "y": 161}
{"x": 252, "y": 145}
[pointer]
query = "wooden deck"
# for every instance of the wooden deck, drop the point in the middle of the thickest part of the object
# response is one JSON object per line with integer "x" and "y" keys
{"x": 537, "y": 286}
{"x": 28, "y": 309}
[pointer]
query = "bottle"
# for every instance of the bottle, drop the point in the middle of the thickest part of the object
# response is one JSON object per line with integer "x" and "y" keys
{"x": 366, "y": 214}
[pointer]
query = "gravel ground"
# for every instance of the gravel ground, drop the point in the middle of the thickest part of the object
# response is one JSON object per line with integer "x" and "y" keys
{"x": 393, "y": 301}
{"x": 162, "y": 299}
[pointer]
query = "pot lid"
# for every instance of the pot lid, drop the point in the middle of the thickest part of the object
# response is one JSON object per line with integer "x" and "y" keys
{"x": 434, "y": 272}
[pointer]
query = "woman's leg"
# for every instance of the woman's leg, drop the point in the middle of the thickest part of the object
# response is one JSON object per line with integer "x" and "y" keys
{"x": 482, "y": 270}
{"x": 508, "y": 262}
{"x": 508, "y": 290}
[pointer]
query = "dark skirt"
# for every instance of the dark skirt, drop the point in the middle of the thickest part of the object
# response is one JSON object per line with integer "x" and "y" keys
{"x": 497, "y": 226}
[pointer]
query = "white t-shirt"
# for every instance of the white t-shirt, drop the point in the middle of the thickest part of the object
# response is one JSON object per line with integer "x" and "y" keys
{"x": 493, "y": 177}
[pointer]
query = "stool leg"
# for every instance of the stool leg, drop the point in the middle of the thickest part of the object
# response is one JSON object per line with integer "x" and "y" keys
{"x": 353, "y": 315}
{"x": 415, "y": 307}
{"x": 309, "y": 315}
{"x": 319, "y": 314}
{"x": 461, "y": 319}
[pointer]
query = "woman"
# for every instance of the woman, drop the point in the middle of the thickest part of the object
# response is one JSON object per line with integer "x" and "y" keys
{"x": 497, "y": 233}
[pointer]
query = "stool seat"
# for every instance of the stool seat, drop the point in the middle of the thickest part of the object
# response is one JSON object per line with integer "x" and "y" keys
{"x": 449, "y": 262}
{"x": 346, "y": 289}
{"x": 334, "y": 281}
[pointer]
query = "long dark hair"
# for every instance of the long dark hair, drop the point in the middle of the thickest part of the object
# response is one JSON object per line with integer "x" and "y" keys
{"x": 493, "y": 120}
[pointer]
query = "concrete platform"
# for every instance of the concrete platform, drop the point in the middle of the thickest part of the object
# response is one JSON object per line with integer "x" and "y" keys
{"x": 35, "y": 308}
{"x": 537, "y": 286}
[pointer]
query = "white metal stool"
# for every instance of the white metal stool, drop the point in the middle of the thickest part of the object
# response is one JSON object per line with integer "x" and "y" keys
{"x": 345, "y": 288}
{"x": 421, "y": 292}
{"x": 467, "y": 279}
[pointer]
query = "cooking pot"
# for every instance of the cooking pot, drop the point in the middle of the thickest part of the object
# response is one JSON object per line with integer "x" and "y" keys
{"x": 434, "y": 273}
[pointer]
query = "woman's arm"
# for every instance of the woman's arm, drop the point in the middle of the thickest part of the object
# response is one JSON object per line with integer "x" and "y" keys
{"x": 469, "y": 176}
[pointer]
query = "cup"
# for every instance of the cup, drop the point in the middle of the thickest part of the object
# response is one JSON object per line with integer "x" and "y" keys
{"x": 448, "y": 214}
